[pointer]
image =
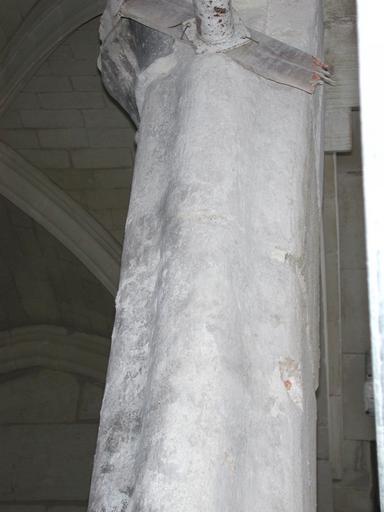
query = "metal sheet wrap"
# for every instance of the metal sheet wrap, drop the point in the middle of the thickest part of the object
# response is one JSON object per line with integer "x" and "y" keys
{"x": 263, "y": 55}
{"x": 278, "y": 62}
{"x": 165, "y": 16}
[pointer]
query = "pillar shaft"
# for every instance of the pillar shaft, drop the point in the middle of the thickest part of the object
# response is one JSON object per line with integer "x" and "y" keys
{"x": 210, "y": 396}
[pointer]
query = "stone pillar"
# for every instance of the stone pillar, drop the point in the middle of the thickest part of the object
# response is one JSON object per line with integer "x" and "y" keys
{"x": 210, "y": 397}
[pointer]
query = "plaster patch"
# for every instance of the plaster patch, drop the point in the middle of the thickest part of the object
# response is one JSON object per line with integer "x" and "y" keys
{"x": 290, "y": 373}
{"x": 279, "y": 255}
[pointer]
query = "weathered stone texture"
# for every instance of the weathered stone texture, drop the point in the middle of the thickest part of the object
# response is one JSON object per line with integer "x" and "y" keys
{"x": 214, "y": 360}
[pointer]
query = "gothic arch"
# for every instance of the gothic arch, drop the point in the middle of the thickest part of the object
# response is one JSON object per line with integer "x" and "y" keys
{"x": 48, "y": 23}
{"x": 55, "y": 348}
{"x": 31, "y": 191}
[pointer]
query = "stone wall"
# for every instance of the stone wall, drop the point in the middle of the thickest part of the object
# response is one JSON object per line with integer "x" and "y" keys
{"x": 354, "y": 491}
{"x": 346, "y": 433}
{"x": 65, "y": 124}
{"x": 12, "y": 14}
{"x": 48, "y": 431}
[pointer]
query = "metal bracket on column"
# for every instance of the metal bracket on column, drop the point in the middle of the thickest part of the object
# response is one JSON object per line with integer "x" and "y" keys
{"x": 211, "y": 28}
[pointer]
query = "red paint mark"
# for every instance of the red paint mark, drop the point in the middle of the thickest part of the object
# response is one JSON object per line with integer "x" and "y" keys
{"x": 288, "y": 384}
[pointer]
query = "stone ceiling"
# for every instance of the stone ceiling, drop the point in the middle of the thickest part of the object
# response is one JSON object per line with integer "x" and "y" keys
{"x": 12, "y": 14}
{"x": 41, "y": 282}
{"x": 65, "y": 125}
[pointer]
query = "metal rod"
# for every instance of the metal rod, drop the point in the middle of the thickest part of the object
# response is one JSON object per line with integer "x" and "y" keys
{"x": 214, "y": 20}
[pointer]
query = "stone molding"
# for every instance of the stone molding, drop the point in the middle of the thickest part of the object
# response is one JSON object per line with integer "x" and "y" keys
{"x": 46, "y": 26}
{"x": 56, "y": 348}
{"x": 31, "y": 191}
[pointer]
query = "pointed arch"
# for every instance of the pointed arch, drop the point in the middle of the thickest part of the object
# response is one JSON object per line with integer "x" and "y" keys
{"x": 45, "y": 27}
{"x": 31, "y": 191}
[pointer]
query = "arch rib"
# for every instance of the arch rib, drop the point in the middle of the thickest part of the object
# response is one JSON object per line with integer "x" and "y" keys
{"x": 31, "y": 191}
{"x": 48, "y": 23}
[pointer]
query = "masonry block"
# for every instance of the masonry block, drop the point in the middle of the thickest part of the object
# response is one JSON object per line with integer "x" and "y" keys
{"x": 20, "y": 139}
{"x": 25, "y": 101}
{"x": 357, "y": 424}
{"x": 324, "y": 487}
{"x": 84, "y": 48}
{"x": 48, "y": 158}
{"x": 106, "y": 118}
{"x": 349, "y": 499}
{"x": 86, "y": 83}
{"x": 106, "y": 199}
{"x": 73, "y": 67}
{"x": 11, "y": 119}
{"x": 112, "y": 137}
{"x": 63, "y": 138}
{"x": 51, "y": 118}
{"x": 351, "y": 215}
{"x": 48, "y": 84}
{"x": 101, "y": 158}
{"x": 70, "y": 100}
{"x": 113, "y": 178}
{"x": 354, "y": 308}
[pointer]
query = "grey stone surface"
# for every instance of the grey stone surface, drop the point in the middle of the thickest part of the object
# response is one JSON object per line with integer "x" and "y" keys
{"x": 351, "y": 215}
{"x": 100, "y": 158}
{"x": 341, "y": 54}
{"x": 70, "y": 100}
{"x": 46, "y": 159}
{"x": 105, "y": 119}
{"x": 352, "y": 162}
{"x": 86, "y": 83}
{"x": 46, "y": 462}
{"x": 39, "y": 396}
{"x": 338, "y": 130}
{"x": 51, "y": 118}
{"x": 26, "y": 101}
{"x": 22, "y": 508}
{"x": 25, "y": 139}
{"x": 43, "y": 283}
{"x": 349, "y": 499}
{"x": 90, "y": 403}
{"x": 67, "y": 508}
{"x": 48, "y": 84}
{"x": 324, "y": 487}
{"x": 64, "y": 138}
{"x": 322, "y": 443}
{"x": 354, "y": 303}
{"x": 340, "y": 9}
{"x": 72, "y": 113}
{"x": 357, "y": 424}
{"x": 11, "y": 120}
